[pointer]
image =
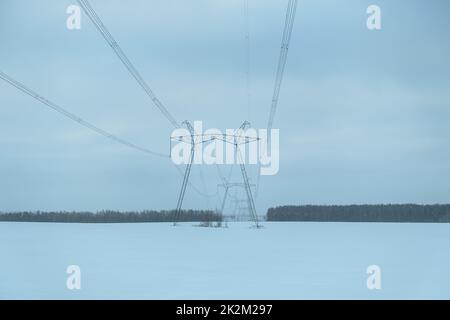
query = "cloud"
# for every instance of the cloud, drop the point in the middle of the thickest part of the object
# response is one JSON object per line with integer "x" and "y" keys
{"x": 363, "y": 115}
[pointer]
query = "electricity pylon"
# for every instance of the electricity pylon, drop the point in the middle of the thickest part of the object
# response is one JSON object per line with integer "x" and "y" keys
{"x": 240, "y": 208}
{"x": 236, "y": 139}
{"x": 227, "y": 186}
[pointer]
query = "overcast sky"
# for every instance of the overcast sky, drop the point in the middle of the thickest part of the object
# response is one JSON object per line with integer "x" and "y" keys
{"x": 364, "y": 116}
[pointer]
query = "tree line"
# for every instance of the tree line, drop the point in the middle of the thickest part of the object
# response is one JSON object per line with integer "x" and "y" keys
{"x": 362, "y": 213}
{"x": 109, "y": 216}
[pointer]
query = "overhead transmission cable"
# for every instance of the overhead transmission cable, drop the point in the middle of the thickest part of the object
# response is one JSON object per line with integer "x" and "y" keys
{"x": 92, "y": 15}
{"x": 197, "y": 190}
{"x": 90, "y": 126}
{"x": 76, "y": 118}
{"x": 287, "y": 32}
{"x": 247, "y": 55}
{"x": 202, "y": 179}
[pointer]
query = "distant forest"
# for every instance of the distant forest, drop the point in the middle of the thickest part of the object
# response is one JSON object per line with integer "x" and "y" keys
{"x": 362, "y": 213}
{"x": 112, "y": 216}
{"x": 331, "y": 213}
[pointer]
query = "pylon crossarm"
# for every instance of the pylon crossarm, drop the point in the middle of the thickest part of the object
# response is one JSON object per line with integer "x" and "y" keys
{"x": 202, "y": 138}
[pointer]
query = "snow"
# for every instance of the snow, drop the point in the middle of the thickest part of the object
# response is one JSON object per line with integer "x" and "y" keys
{"x": 281, "y": 261}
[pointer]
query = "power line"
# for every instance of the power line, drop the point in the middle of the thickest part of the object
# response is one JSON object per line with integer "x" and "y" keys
{"x": 93, "y": 16}
{"x": 287, "y": 32}
{"x": 121, "y": 55}
{"x": 205, "y": 189}
{"x": 289, "y": 23}
{"x": 90, "y": 126}
{"x": 247, "y": 55}
{"x": 197, "y": 190}
{"x": 76, "y": 118}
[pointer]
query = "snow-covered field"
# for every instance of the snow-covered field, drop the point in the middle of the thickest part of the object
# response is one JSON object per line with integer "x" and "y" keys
{"x": 281, "y": 261}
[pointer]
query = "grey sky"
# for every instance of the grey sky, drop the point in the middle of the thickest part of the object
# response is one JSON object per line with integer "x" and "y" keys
{"x": 364, "y": 116}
